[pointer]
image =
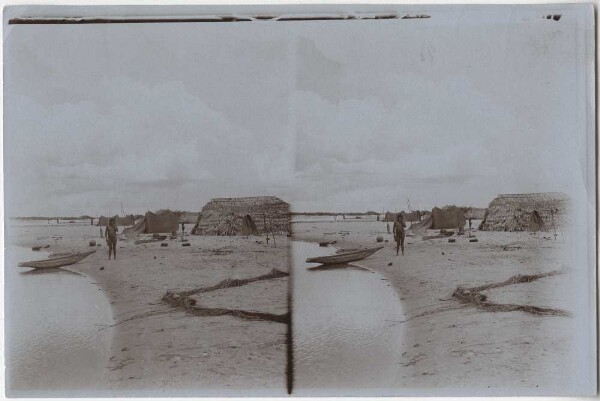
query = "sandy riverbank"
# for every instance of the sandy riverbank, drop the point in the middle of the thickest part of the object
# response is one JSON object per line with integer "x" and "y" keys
{"x": 158, "y": 349}
{"x": 450, "y": 345}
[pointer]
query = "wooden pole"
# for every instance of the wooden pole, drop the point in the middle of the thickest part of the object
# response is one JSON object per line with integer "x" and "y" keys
{"x": 265, "y": 226}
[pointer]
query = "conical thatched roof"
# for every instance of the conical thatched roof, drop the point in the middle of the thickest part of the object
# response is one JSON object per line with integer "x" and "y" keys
{"x": 243, "y": 216}
{"x": 513, "y": 212}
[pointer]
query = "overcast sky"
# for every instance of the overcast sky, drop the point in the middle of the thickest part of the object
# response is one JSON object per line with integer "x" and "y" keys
{"x": 349, "y": 115}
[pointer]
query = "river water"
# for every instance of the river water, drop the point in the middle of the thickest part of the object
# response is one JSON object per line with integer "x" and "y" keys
{"x": 343, "y": 342}
{"x": 54, "y": 338}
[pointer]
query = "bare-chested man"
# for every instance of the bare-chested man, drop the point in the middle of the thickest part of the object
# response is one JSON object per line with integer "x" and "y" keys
{"x": 399, "y": 226}
{"x": 111, "y": 237}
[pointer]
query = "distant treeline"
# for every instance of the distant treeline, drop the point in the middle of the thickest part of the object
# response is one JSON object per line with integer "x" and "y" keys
{"x": 369, "y": 213}
{"x": 54, "y": 218}
{"x": 34, "y": 218}
{"x": 86, "y": 217}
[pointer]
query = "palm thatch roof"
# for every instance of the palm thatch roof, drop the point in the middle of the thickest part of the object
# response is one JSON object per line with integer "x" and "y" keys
{"x": 244, "y": 216}
{"x": 513, "y": 212}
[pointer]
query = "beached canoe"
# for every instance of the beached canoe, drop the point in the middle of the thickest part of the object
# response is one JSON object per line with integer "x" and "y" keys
{"x": 345, "y": 257}
{"x": 57, "y": 262}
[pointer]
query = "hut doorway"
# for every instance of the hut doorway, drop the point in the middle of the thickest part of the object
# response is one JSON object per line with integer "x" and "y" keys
{"x": 248, "y": 226}
{"x": 536, "y": 223}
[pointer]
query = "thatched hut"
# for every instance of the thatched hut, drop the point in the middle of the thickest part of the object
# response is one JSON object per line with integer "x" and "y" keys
{"x": 244, "y": 216}
{"x": 526, "y": 212}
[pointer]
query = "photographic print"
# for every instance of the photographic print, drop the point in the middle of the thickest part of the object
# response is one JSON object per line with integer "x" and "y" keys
{"x": 324, "y": 200}
{"x": 149, "y": 255}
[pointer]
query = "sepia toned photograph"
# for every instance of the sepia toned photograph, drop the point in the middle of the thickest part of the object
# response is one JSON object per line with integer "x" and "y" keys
{"x": 324, "y": 200}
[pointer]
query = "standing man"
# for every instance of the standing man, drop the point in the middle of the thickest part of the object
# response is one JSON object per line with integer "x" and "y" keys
{"x": 111, "y": 237}
{"x": 182, "y": 228}
{"x": 399, "y": 226}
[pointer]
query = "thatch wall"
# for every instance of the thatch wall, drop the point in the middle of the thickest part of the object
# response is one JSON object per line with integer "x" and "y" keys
{"x": 475, "y": 213}
{"x": 121, "y": 221}
{"x": 188, "y": 217}
{"x": 165, "y": 222}
{"x": 513, "y": 212}
{"x": 408, "y": 216}
{"x": 425, "y": 224}
{"x": 244, "y": 216}
{"x": 448, "y": 217}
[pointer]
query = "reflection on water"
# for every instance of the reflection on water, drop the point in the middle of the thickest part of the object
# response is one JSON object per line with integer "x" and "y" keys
{"x": 345, "y": 266}
{"x": 342, "y": 338}
{"x": 53, "y": 319}
{"x": 41, "y": 272}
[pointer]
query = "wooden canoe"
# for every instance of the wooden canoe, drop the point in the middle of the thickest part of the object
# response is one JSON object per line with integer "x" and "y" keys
{"x": 57, "y": 262}
{"x": 345, "y": 257}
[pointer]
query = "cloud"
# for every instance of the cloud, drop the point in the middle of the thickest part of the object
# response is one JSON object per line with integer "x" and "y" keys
{"x": 440, "y": 140}
{"x": 152, "y": 140}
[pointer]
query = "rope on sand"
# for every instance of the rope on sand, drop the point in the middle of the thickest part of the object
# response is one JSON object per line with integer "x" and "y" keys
{"x": 228, "y": 283}
{"x": 183, "y": 300}
{"x": 473, "y": 295}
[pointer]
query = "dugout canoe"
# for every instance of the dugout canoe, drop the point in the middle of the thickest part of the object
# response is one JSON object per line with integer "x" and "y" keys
{"x": 57, "y": 262}
{"x": 345, "y": 257}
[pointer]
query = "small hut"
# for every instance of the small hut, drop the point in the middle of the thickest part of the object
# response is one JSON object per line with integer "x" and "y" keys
{"x": 448, "y": 217}
{"x": 163, "y": 222}
{"x": 525, "y": 212}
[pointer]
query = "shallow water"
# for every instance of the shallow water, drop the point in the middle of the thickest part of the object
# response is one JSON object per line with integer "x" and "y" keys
{"x": 343, "y": 342}
{"x": 53, "y": 338}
